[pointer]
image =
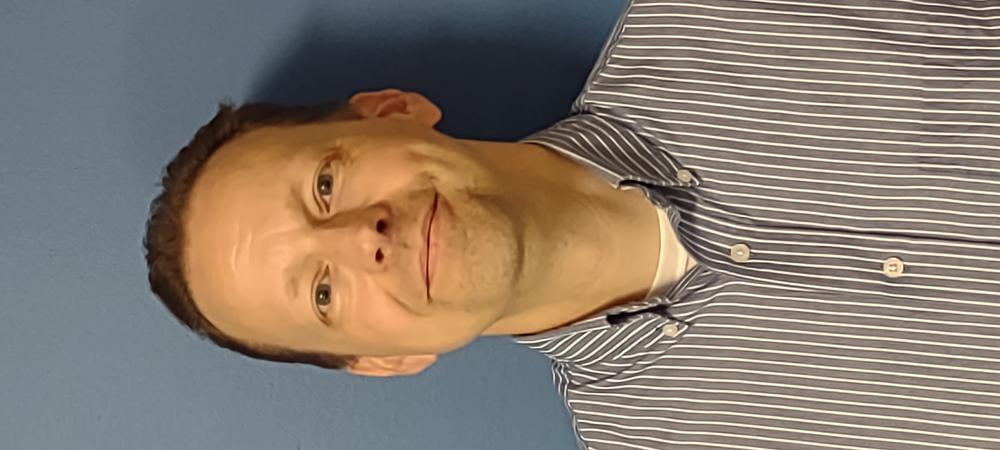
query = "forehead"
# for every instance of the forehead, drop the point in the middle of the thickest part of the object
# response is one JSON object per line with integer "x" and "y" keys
{"x": 238, "y": 209}
{"x": 251, "y": 181}
{"x": 257, "y": 149}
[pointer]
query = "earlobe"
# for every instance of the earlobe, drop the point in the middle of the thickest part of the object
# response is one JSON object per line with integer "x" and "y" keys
{"x": 396, "y": 103}
{"x": 389, "y": 366}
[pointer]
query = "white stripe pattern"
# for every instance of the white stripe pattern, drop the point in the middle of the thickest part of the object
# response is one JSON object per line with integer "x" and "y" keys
{"x": 827, "y": 139}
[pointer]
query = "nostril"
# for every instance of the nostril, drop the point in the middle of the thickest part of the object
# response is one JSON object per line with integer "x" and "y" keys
{"x": 380, "y": 225}
{"x": 378, "y": 255}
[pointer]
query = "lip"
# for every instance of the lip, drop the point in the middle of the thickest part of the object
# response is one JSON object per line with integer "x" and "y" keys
{"x": 425, "y": 254}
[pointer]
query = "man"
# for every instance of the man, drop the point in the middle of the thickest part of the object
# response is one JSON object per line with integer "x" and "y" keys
{"x": 764, "y": 225}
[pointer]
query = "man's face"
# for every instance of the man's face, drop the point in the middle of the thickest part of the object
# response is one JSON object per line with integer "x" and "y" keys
{"x": 313, "y": 238}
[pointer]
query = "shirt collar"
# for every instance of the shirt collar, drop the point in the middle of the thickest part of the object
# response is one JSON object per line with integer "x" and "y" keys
{"x": 613, "y": 148}
{"x": 553, "y": 343}
{"x": 549, "y": 342}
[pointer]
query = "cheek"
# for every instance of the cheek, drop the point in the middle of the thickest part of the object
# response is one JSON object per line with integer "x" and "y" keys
{"x": 381, "y": 176}
{"x": 380, "y": 318}
{"x": 382, "y": 326}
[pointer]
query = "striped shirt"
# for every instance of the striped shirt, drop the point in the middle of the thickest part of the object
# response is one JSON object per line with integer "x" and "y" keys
{"x": 834, "y": 168}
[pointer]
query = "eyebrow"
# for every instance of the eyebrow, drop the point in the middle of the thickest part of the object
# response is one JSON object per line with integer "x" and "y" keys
{"x": 296, "y": 274}
{"x": 294, "y": 280}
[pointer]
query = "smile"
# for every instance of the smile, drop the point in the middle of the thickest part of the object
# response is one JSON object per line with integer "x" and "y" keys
{"x": 427, "y": 247}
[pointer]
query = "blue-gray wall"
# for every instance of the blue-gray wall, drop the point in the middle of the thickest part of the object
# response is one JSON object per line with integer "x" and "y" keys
{"x": 96, "y": 96}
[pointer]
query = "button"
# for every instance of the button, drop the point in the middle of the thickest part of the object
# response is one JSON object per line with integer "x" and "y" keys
{"x": 670, "y": 329}
{"x": 893, "y": 267}
{"x": 740, "y": 253}
{"x": 684, "y": 175}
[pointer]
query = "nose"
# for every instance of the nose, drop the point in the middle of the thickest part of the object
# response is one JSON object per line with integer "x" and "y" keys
{"x": 361, "y": 238}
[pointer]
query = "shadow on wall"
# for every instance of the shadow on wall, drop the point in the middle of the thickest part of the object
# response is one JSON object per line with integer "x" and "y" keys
{"x": 497, "y": 87}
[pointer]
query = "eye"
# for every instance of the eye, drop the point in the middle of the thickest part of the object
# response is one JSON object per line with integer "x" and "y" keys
{"x": 323, "y": 297}
{"x": 324, "y": 185}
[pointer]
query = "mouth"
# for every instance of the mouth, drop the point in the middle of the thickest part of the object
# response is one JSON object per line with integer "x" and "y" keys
{"x": 427, "y": 245}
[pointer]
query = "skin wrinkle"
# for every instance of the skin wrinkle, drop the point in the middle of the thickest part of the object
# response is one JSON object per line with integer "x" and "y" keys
{"x": 237, "y": 250}
{"x": 523, "y": 230}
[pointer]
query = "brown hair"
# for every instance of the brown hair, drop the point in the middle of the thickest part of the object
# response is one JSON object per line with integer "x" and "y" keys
{"x": 165, "y": 234}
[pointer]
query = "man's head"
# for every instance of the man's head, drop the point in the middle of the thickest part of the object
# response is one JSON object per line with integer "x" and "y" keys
{"x": 301, "y": 235}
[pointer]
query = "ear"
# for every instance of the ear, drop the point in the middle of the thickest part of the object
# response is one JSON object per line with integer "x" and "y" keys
{"x": 396, "y": 103}
{"x": 390, "y": 366}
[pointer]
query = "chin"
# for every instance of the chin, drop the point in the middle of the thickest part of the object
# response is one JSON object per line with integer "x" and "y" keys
{"x": 482, "y": 258}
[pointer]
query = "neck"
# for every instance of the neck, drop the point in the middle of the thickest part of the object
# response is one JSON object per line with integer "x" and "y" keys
{"x": 588, "y": 246}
